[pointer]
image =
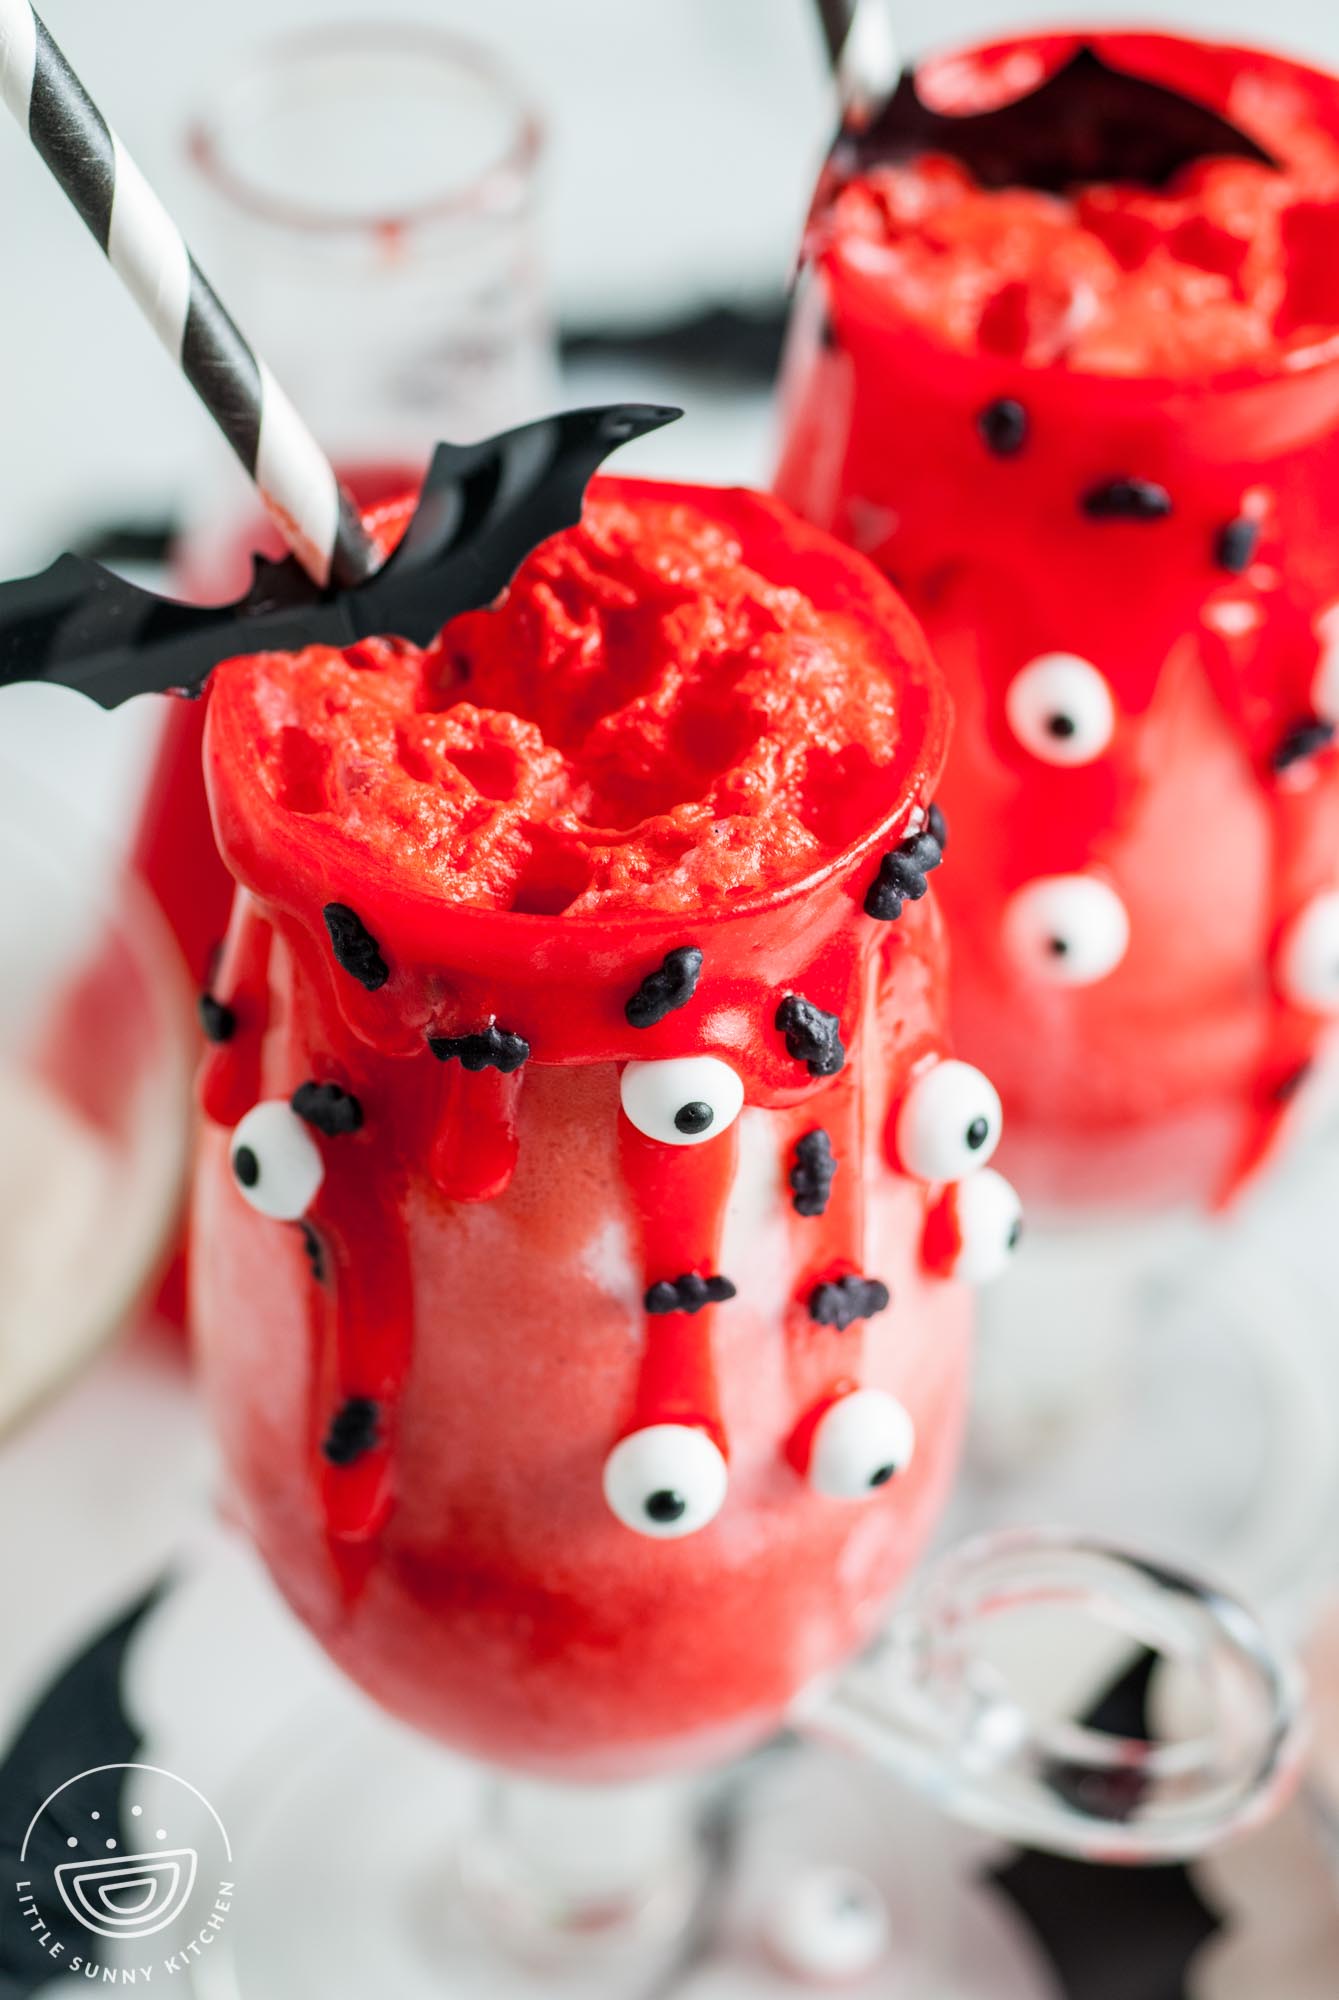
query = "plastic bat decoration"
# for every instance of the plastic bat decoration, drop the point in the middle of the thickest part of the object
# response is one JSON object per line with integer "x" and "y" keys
{"x": 79, "y": 1723}
{"x": 1109, "y": 1932}
{"x": 1087, "y": 122}
{"x": 482, "y": 509}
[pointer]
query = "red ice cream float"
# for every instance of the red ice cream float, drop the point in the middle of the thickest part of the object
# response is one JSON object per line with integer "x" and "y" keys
{"x": 1092, "y": 432}
{"x": 586, "y": 1175}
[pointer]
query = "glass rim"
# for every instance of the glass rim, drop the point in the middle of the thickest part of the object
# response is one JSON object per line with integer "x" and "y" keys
{"x": 285, "y": 56}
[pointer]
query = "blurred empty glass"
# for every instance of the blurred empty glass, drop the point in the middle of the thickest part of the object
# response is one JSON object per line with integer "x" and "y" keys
{"x": 368, "y": 206}
{"x": 94, "y": 1076}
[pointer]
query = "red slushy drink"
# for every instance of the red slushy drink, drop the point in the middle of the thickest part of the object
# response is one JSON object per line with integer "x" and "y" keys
{"x": 587, "y": 1177}
{"x": 1093, "y": 434}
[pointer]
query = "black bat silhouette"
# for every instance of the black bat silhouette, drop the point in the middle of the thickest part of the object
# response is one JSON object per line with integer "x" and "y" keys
{"x": 1112, "y": 1933}
{"x": 1087, "y": 122}
{"x": 78, "y": 1724}
{"x": 482, "y": 509}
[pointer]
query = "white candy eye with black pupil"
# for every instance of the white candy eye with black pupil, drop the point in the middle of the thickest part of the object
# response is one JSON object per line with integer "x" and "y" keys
{"x": 860, "y": 1445}
{"x": 989, "y": 1223}
{"x": 1068, "y": 930}
{"x": 827, "y": 1926}
{"x": 666, "y": 1481}
{"x": 1060, "y": 708}
{"x": 949, "y": 1123}
{"x": 683, "y": 1101}
{"x": 1308, "y": 971}
{"x": 276, "y": 1163}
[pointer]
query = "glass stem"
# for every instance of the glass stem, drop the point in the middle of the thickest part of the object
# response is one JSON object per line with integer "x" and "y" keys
{"x": 556, "y": 1868}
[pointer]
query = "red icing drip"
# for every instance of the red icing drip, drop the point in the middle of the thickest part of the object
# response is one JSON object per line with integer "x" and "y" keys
{"x": 230, "y": 1073}
{"x": 364, "y": 1313}
{"x": 941, "y": 1246}
{"x": 679, "y": 1196}
{"x": 174, "y": 847}
{"x": 836, "y": 1240}
{"x": 832, "y": 1246}
{"x": 800, "y": 1444}
{"x": 361, "y": 1312}
{"x": 1304, "y": 806}
{"x": 473, "y": 1155}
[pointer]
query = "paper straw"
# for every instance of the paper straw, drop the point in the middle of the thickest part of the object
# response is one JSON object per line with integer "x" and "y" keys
{"x": 147, "y": 251}
{"x": 863, "y": 52}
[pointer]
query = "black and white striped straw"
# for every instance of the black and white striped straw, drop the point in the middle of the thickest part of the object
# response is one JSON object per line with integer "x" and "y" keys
{"x": 862, "y": 49}
{"x": 147, "y": 251}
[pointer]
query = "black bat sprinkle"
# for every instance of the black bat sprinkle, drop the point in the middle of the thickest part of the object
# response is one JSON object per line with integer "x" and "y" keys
{"x": 492, "y": 1048}
{"x": 483, "y": 508}
{"x": 687, "y": 1294}
{"x": 218, "y": 1023}
{"x": 333, "y": 1112}
{"x": 813, "y": 1037}
{"x": 813, "y": 1173}
{"x": 1126, "y": 499}
{"x": 355, "y": 948}
{"x": 842, "y": 1301}
{"x": 902, "y": 873}
{"x": 1235, "y": 544}
{"x": 355, "y": 1429}
{"x": 671, "y": 986}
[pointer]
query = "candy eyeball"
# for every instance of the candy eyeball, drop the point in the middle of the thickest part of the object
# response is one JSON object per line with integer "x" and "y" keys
{"x": 665, "y": 1481}
{"x": 1069, "y": 930}
{"x": 949, "y": 1123}
{"x": 860, "y": 1443}
{"x": 983, "y": 1225}
{"x": 828, "y": 1926}
{"x": 1308, "y": 969}
{"x": 1060, "y": 708}
{"x": 275, "y": 1162}
{"x": 684, "y": 1101}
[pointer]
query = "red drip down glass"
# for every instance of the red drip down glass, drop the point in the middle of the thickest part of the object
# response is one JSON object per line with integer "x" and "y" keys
{"x": 1094, "y": 437}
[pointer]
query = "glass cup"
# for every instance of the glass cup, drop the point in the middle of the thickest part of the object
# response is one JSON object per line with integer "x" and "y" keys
{"x": 1144, "y": 1056}
{"x": 1130, "y": 578}
{"x": 371, "y": 202}
{"x": 94, "y": 1093}
{"x": 584, "y": 1435}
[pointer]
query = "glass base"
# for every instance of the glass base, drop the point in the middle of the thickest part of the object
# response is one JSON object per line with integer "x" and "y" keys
{"x": 369, "y": 1862}
{"x": 1174, "y": 1384}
